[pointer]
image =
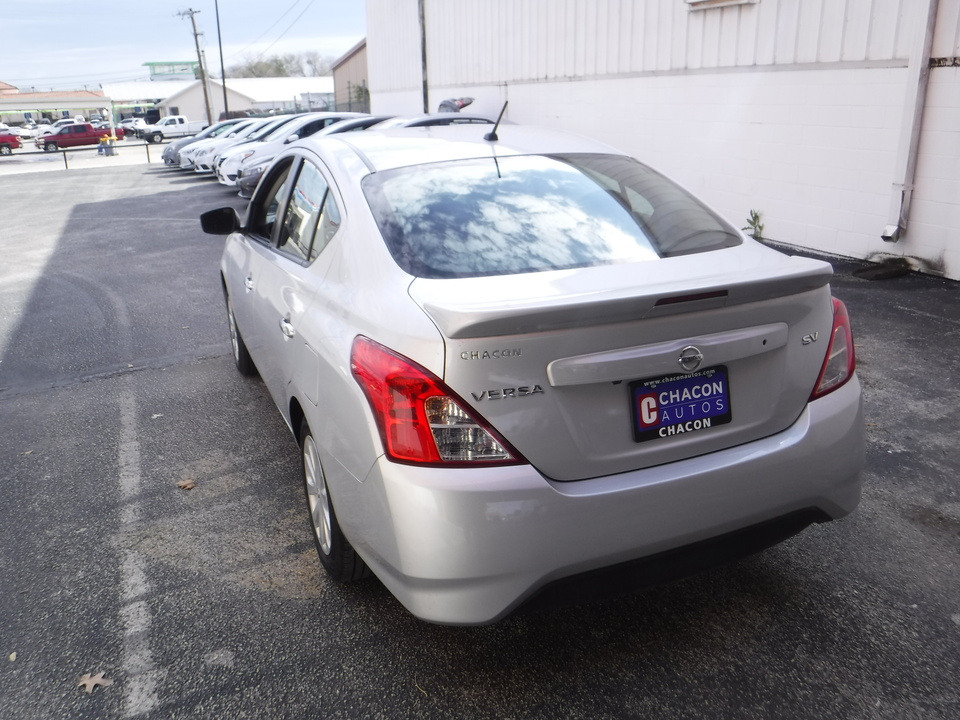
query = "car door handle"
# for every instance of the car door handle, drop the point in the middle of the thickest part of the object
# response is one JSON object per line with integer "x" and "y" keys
{"x": 286, "y": 327}
{"x": 248, "y": 284}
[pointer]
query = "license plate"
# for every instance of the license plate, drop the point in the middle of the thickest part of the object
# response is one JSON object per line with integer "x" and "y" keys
{"x": 680, "y": 404}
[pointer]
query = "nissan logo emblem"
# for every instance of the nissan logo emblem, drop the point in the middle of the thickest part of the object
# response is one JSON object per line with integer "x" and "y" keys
{"x": 690, "y": 358}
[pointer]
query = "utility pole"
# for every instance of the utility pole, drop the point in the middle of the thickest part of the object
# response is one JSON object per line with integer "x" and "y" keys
{"x": 203, "y": 71}
{"x": 223, "y": 74}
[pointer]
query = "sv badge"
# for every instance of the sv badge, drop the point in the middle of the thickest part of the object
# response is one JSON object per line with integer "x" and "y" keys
{"x": 811, "y": 338}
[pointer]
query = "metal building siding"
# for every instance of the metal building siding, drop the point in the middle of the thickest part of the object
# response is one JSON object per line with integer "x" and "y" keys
{"x": 946, "y": 39}
{"x": 510, "y": 41}
{"x": 393, "y": 46}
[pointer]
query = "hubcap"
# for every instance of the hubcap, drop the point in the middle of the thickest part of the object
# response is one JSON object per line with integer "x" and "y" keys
{"x": 318, "y": 500}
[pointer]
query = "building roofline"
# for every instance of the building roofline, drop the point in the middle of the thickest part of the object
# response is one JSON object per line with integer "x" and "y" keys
{"x": 348, "y": 54}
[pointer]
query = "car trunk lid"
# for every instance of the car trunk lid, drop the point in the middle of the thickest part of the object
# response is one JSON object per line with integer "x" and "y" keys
{"x": 571, "y": 366}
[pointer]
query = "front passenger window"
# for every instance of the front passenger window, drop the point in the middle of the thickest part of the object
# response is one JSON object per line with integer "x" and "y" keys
{"x": 265, "y": 214}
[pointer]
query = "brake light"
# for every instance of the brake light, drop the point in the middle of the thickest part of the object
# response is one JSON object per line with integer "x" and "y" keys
{"x": 421, "y": 421}
{"x": 840, "y": 361}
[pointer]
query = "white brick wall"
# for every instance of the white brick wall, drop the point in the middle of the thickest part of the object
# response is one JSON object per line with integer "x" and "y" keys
{"x": 934, "y": 231}
{"x": 812, "y": 151}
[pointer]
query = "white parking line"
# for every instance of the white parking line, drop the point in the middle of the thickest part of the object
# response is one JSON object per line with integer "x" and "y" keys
{"x": 143, "y": 675}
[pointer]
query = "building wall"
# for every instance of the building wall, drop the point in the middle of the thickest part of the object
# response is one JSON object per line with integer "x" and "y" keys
{"x": 191, "y": 103}
{"x": 935, "y": 216}
{"x": 394, "y": 57}
{"x": 521, "y": 40}
{"x": 794, "y": 108}
{"x": 350, "y": 80}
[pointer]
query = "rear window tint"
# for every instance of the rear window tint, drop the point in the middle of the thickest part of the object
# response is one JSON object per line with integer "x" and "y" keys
{"x": 535, "y": 213}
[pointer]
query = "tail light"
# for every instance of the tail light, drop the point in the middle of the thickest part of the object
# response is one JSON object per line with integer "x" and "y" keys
{"x": 841, "y": 361}
{"x": 421, "y": 421}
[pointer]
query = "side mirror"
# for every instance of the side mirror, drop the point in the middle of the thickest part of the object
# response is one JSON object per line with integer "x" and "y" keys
{"x": 221, "y": 221}
{"x": 292, "y": 138}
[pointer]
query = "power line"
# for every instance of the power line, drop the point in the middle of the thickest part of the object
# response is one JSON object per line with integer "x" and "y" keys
{"x": 287, "y": 30}
{"x": 267, "y": 31}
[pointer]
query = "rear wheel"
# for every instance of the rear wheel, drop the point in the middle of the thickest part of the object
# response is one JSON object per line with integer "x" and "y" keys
{"x": 337, "y": 556}
{"x": 241, "y": 356}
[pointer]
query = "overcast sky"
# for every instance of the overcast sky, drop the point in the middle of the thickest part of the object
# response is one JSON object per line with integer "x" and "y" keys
{"x": 72, "y": 44}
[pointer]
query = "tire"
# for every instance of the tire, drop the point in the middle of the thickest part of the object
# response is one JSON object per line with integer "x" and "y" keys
{"x": 241, "y": 356}
{"x": 50, "y": 147}
{"x": 337, "y": 556}
{"x": 6, "y": 150}
{"x": 155, "y": 138}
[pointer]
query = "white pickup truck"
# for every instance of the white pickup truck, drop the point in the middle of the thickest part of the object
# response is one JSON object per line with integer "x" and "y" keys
{"x": 172, "y": 126}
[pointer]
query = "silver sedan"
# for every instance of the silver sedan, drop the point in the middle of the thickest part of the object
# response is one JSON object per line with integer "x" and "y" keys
{"x": 524, "y": 368}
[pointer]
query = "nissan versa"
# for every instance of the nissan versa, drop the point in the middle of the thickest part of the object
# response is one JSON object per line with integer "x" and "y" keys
{"x": 522, "y": 366}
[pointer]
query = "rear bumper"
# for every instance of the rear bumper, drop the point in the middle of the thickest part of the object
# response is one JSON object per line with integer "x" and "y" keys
{"x": 469, "y": 546}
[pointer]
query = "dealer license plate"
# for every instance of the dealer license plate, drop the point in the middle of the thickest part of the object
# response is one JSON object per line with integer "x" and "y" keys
{"x": 679, "y": 404}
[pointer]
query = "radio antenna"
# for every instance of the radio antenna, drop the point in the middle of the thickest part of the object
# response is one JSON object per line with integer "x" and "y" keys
{"x": 492, "y": 135}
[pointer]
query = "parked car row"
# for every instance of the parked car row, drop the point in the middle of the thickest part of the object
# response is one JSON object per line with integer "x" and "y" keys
{"x": 237, "y": 152}
{"x": 523, "y": 366}
{"x": 64, "y": 133}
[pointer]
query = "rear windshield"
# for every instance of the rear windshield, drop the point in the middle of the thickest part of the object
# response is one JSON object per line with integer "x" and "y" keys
{"x": 533, "y": 213}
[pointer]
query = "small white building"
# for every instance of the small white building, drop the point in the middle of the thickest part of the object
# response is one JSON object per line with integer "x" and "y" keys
{"x": 284, "y": 94}
{"x": 141, "y": 96}
{"x": 837, "y": 120}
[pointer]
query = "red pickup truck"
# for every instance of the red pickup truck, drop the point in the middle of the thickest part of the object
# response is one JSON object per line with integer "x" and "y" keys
{"x": 8, "y": 142}
{"x": 74, "y": 135}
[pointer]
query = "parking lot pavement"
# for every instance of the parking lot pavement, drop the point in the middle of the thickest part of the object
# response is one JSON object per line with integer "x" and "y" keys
{"x": 117, "y": 385}
{"x": 127, "y": 152}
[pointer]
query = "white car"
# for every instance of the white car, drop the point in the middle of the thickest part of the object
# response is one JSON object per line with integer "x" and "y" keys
{"x": 171, "y": 152}
{"x": 242, "y": 129}
{"x": 205, "y": 161}
{"x": 44, "y": 130}
{"x": 521, "y": 365}
{"x": 28, "y": 131}
{"x": 132, "y": 125}
{"x": 302, "y": 126}
{"x": 253, "y": 166}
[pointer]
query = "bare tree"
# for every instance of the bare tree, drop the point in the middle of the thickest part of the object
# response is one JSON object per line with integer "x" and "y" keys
{"x": 317, "y": 65}
{"x": 311, "y": 64}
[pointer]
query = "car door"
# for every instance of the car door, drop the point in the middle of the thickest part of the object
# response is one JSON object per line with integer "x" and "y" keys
{"x": 242, "y": 263}
{"x": 287, "y": 277}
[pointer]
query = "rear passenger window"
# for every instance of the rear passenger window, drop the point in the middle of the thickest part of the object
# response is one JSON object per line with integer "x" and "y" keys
{"x": 303, "y": 212}
{"x": 329, "y": 224}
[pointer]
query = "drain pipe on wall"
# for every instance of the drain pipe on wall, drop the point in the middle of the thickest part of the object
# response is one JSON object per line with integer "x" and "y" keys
{"x": 918, "y": 72}
{"x": 423, "y": 56}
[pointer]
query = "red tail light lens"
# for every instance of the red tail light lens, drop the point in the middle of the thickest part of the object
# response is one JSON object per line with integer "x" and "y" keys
{"x": 421, "y": 421}
{"x": 841, "y": 361}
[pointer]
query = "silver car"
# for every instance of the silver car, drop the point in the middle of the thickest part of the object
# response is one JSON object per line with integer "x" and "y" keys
{"x": 528, "y": 368}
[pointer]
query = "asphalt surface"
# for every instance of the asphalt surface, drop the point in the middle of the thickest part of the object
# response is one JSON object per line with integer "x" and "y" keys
{"x": 116, "y": 384}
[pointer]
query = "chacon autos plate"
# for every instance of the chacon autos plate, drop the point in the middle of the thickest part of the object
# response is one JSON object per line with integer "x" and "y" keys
{"x": 680, "y": 403}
